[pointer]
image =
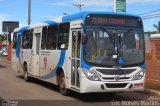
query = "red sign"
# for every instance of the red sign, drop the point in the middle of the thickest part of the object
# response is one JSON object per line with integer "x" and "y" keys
{"x": 45, "y": 61}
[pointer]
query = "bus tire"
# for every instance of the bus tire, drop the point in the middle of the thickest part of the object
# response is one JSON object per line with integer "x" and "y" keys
{"x": 62, "y": 85}
{"x": 25, "y": 70}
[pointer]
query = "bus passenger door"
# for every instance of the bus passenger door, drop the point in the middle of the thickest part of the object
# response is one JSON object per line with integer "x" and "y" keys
{"x": 75, "y": 60}
{"x": 36, "y": 51}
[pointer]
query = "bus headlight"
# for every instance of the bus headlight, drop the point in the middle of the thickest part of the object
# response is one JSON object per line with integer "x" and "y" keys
{"x": 91, "y": 75}
{"x": 139, "y": 75}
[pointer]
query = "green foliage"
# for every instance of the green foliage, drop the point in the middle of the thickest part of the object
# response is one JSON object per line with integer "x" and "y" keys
{"x": 2, "y": 37}
{"x": 157, "y": 26}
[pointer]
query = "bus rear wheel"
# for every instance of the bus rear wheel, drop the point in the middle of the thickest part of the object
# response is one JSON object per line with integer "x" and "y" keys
{"x": 62, "y": 85}
{"x": 25, "y": 70}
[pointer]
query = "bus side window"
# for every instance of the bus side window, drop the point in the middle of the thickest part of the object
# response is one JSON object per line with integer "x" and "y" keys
{"x": 73, "y": 43}
{"x": 79, "y": 44}
{"x": 52, "y": 37}
{"x": 30, "y": 39}
{"x": 44, "y": 37}
{"x": 63, "y": 37}
{"x": 25, "y": 40}
{"x": 14, "y": 40}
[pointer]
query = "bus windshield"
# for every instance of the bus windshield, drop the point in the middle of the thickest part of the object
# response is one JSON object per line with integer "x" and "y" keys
{"x": 112, "y": 47}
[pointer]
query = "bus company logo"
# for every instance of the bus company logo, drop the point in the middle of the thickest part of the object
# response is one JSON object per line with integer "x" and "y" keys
{"x": 45, "y": 61}
{"x": 116, "y": 78}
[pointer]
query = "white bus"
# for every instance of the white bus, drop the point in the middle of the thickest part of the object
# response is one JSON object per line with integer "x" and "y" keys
{"x": 85, "y": 52}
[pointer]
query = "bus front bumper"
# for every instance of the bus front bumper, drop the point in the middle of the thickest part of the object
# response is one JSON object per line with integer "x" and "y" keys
{"x": 88, "y": 86}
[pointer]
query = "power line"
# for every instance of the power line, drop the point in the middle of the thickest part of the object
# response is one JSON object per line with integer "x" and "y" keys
{"x": 151, "y": 17}
{"x": 79, "y": 5}
{"x": 149, "y": 12}
{"x": 154, "y": 15}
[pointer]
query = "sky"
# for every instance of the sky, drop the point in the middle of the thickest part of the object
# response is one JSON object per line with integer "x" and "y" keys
{"x": 17, "y": 10}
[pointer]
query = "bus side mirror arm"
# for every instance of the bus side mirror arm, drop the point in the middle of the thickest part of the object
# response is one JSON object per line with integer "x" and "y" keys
{"x": 84, "y": 39}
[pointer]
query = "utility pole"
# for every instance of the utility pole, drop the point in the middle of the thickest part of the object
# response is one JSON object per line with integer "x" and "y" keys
{"x": 29, "y": 12}
{"x": 114, "y": 6}
{"x": 79, "y": 5}
{"x": 65, "y": 13}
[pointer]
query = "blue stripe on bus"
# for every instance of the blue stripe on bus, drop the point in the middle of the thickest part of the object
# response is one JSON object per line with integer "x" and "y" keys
{"x": 85, "y": 13}
{"x": 60, "y": 64}
{"x": 142, "y": 66}
{"x": 71, "y": 17}
{"x": 20, "y": 32}
{"x": 83, "y": 63}
{"x": 50, "y": 22}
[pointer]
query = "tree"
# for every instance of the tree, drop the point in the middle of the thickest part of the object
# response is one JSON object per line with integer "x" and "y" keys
{"x": 2, "y": 37}
{"x": 157, "y": 26}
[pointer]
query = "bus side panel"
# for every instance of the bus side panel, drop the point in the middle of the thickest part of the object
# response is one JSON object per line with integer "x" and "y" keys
{"x": 15, "y": 62}
{"x": 49, "y": 60}
{"x": 67, "y": 69}
{"x": 25, "y": 56}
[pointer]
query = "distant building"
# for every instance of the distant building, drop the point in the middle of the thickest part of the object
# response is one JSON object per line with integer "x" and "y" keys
{"x": 153, "y": 60}
{"x": 155, "y": 36}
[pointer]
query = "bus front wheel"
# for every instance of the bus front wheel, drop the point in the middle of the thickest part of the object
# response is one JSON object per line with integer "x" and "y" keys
{"x": 62, "y": 85}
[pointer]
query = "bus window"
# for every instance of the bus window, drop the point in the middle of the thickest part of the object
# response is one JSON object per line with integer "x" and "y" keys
{"x": 14, "y": 40}
{"x": 30, "y": 39}
{"x": 52, "y": 37}
{"x": 73, "y": 43}
{"x": 25, "y": 40}
{"x": 63, "y": 37}
{"x": 44, "y": 35}
{"x": 79, "y": 44}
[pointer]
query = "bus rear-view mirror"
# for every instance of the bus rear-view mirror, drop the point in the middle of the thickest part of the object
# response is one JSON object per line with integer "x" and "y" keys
{"x": 84, "y": 39}
{"x": 63, "y": 46}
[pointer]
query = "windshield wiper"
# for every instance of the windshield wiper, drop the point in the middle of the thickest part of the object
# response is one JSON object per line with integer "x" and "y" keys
{"x": 127, "y": 32}
{"x": 105, "y": 30}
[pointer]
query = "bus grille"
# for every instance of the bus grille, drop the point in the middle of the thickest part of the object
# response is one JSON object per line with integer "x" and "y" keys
{"x": 112, "y": 78}
{"x": 119, "y": 85}
{"x": 115, "y": 71}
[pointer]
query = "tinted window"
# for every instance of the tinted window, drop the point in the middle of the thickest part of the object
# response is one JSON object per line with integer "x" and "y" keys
{"x": 14, "y": 40}
{"x": 44, "y": 36}
{"x": 52, "y": 37}
{"x": 27, "y": 39}
{"x": 30, "y": 39}
{"x": 63, "y": 36}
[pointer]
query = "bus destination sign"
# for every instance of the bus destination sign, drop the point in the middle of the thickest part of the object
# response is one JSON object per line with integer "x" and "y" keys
{"x": 113, "y": 20}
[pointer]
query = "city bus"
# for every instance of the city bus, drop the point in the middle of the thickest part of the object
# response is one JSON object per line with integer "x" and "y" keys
{"x": 85, "y": 52}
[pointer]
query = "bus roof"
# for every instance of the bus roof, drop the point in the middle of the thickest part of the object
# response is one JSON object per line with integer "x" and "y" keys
{"x": 83, "y": 15}
{"x": 68, "y": 18}
{"x": 16, "y": 30}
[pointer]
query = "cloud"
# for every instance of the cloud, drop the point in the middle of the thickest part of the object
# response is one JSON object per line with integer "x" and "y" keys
{"x": 142, "y": 1}
{"x": 96, "y": 3}
{"x": 57, "y": 4}
{"x": 22, "y": 25}
{"x": 11, "y": 5}
{"x": 85, "y": 2}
